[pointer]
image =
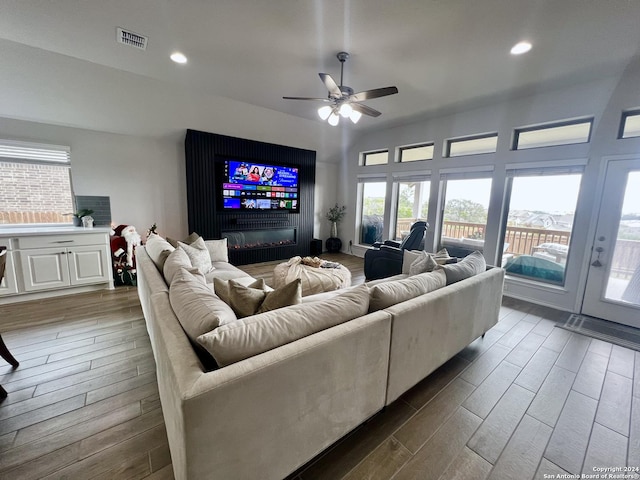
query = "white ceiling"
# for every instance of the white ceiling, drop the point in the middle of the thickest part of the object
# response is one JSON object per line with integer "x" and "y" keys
{"x": 439, "y": 53}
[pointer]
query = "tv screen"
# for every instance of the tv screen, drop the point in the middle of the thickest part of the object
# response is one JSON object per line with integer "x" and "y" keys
{"x": 249, "y": 185}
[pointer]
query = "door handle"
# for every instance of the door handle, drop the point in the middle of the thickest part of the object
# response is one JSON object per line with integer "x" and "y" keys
{"x": 597, "y": 262}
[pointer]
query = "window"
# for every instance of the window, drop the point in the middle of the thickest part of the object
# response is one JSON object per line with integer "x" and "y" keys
{"x": 372, "y": 215}
{"x": 416, "y": 153}
{"x": 475, "y": 145}
{"x": 35, "y": 183}
{"x": 630, "y": 124}
{"x": 375, "y": 158}
{"x": 412, "y": 205}
{"x": 464, "y": 217}
{"x": 559, "y": 133}
{"x": 542, "y": 208}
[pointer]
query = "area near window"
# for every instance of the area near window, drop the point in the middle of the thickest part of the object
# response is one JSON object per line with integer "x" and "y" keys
{"x": 416, "y": 153}
{"x": 630, "y": 124}
{"x": 474, "y": 145}
{"x": 412, "y": 204}
{"x": 558, "y": 133}
{"x": 375, "y": 158}
{"x": 372, "y": 215}
{"x": 35, "y": 183}
{"x": 542, "y": 206}
{"x": 466, "y": 205}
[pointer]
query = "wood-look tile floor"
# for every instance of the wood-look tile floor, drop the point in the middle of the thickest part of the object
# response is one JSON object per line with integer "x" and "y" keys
{"x": 527, "y": 400}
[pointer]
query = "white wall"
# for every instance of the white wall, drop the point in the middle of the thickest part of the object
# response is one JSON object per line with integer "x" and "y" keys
{"x": 603, "y": 99}
{"x": 143, "y": 176}
{"x": 325, "y": 197}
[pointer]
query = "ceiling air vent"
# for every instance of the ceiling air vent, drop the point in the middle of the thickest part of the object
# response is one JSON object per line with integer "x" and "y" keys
{"x": 132, "y": 39}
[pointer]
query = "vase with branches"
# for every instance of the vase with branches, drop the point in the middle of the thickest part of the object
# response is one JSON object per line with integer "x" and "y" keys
{"x": 335, "y": 216}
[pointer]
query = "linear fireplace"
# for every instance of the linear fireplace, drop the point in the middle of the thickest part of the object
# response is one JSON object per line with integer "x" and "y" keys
{"x": 264, "y": 238}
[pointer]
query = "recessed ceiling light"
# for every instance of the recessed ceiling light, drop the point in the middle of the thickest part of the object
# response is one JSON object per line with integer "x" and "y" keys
{"x": 520, "y": 48}
{"x": 178, "y": 57}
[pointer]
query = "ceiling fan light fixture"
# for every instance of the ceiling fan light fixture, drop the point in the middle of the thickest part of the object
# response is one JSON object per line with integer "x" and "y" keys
{"x": 334, "y": 119}
{"x": 346, "y": 110}
{"x": 324, "y": 112}
{"x": 355, "y": 116}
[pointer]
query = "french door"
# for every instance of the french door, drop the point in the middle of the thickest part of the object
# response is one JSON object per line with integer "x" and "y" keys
{"x": 613, "y": 284}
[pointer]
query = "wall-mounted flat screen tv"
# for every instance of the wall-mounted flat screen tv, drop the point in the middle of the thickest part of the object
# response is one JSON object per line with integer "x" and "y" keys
{"x": 257, "y": 186}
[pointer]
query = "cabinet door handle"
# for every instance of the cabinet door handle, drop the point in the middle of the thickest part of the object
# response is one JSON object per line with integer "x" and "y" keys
{"x": 63, "y": 253}
{"x": 64, "y": 241}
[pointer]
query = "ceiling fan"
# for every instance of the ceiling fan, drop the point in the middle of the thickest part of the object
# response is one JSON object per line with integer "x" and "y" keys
{"x": 342, "y": 101}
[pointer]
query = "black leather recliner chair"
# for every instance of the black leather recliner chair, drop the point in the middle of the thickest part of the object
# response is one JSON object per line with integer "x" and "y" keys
{"x": 385, "y": 259}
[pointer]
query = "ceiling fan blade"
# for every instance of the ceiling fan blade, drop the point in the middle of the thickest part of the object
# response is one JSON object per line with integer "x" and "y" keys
{"x": 308, "y": 98}
{"x": 366, "y": 110}
{"x": 332, "y": 86}
{"x": 375, "y": 93}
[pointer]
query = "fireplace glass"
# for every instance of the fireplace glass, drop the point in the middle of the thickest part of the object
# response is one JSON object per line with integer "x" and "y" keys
{"x": 268, "y": 238}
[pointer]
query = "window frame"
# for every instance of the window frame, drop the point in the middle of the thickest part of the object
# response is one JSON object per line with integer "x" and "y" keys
{"x": 451, "y": 141}
{"x": 634, "y": 112}
{"x": 401, "y": 149}
{"x": 364, "y": 155}
{"x": 550, "y": 125}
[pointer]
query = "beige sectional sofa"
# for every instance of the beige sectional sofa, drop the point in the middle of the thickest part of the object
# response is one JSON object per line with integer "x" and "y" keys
{"x": 266, "y": 415}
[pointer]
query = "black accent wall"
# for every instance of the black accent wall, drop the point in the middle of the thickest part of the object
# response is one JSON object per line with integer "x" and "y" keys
{"x": 201, "y": 149}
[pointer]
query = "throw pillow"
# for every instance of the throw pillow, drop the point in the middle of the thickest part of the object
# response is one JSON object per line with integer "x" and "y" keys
{"x": 189, "y": 240}
{"x": 246, "y": 301}
{"x": 471, "y": 265}
{"x": 158, "y": 249}
{"x": 424, "y": 263}
{"x": 177, "y": 260}
{"x": 198, "y": 309}
{"x": 221, "y": 288}
{"x": 408, "y": 257}
{"x": 259, "y": 333}
{"x": 441, "y": 256}
{"x": 289, "y": 294}
{"x": 218, "y": 250}
{"x": 386, "y": 294}
{"x": 199, "y": 255}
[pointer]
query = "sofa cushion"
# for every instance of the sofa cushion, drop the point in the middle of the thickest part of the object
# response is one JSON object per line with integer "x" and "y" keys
{"x": 408, "y": 257}
{"x": 385, "y": 294}
{"x": 225, "y": 271}
{"x": 250, "y": 336}
{"x": 198, "y": 309}
{"x": 246, "y": 301}
{"x": 176, "y": 261}
{"x": 424, "y": 263}
{"x": 411, "y": 256}
{"x": 221, "y": 287}
{"x": 158, "y": 249}
{"x": 189, "y": 240}
{"x": 218, "y": 250}
{"x": 471, "y": 265}
{"x": 198, "y": 254}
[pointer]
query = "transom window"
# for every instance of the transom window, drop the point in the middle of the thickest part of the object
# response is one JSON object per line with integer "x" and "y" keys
{"x": 475, "y": 145}
{"x": 630, "y": 124}
{"x": 559, "y": 133}
{"x": 416, "y": 153}
{"x": 35, "y": 184}
{"x": 380, "y": 157}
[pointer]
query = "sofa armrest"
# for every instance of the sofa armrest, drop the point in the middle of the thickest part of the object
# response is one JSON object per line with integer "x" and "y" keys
{"x": 392, "y": 243}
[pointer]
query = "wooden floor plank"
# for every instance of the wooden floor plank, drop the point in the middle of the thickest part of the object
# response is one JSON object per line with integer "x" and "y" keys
{"x": 533, "y": 374}
{"x": 591, "y": 374}
{"x": 633, "y": 456}
{"x": 522, "y": 455}
{"x": 551, "y": 397}
{"x": 569, "y": 440}
{"x": 483, "y": 366}
{"x": 382, "y": 463}
{"x": 573, "y": 353}
{"x": 443, "y": 447}
{"x": 621, "y": 361}
{"x": 524, "y": 350}
{"x": 614, "y": 409}
{"x": 468, "y": 465}
{"x": 606, "y": 449}
{"x": 430, "y": 418}
{"x": 495, "y": 431}
{"x": 484, "y": 398}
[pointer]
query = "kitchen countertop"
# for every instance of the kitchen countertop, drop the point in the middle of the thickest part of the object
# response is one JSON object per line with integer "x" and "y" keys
{"x": 26, "y": 231}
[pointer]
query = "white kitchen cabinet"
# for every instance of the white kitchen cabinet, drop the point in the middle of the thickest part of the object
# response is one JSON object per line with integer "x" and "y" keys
{"x": 8, "y": 286}
{"x": 51, "y": 261}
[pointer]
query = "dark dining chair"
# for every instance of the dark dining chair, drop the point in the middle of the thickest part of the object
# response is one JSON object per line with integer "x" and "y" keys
{"x": 4, "y": 351}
